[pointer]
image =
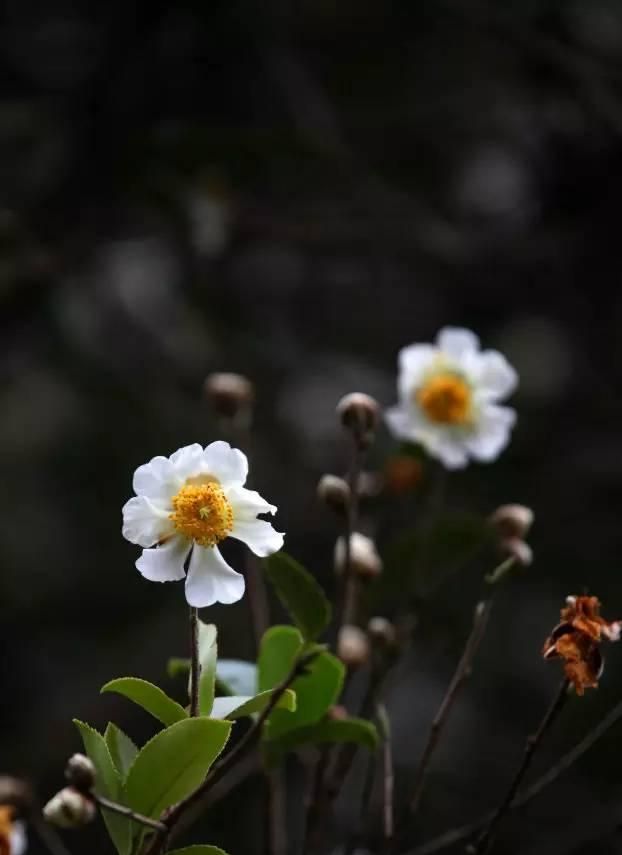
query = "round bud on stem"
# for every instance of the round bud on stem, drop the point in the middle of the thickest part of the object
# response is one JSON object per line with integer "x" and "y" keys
{"x": 364, "y": 559}
{"x": 334, "y": 492}
{"x": 80, "y": 773}
{"x": 512, "y": 521}
{"x": 229, "y": 394}
{"x": 514, "y": 547}
{"x": 352, "y": 646}
{"x": 360, "y": 414}
{"x": 15, "y": 793}
{"x": 69, "y": 809}
{"x": 381, "y": 632}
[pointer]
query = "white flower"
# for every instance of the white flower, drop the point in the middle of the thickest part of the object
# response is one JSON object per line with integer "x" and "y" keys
{"x": 449, "y": 395}
{"x": 186, "y": 504}
{"x": 12, "y": 832}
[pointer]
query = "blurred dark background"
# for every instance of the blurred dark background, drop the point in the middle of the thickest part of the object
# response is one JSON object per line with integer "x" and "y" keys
{"x": 295, "y": 190}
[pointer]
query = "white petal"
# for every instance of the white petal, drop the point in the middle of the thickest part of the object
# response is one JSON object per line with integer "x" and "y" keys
{"x": 398, "y": 422}
{"x": 457, "y": 343}
{"x": 246, "y": 504}
{"x": 451, "y": 451}
{"x": 229, "y": 465}
{"x": 144, "y": 523}
{"x": 493, "y": 376}
{"x": 187, "y": 461}
{"x": 18, "y": 839}
{"x": 210, "y": 579}
{"x": 413, "y": 362}
{"x": 492, "y": 433}
{"x": 164, "y": 563}
{"x": 258, "y": 535}
{"x": 156, "y": 480}
{"x": 223, "y": 707}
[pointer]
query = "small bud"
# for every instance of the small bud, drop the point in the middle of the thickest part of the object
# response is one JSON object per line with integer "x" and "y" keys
{"x": 369, "y": 485}
{"x": 229, "y": 394}
{"x": 382, "y": 632}
{"x": 337, "y": 713}
{"x": 352, "y": 646}
{"x": 359, "y": 413}
{"x": 69, "y": 809}
{"x": 334, "y": 492}
{"x": 364, "y": 559}
{"x": 512, "y": 521}
{"x": 80, "y": 773}
{"x": 15, "y": 793}
{"x": 514, "y": 547}
{"x": 402, "y": 474}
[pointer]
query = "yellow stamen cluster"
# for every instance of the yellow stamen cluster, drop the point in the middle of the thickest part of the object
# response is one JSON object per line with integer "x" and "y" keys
{"x": 203, "y": 513}
{"x": 445, "y": 399}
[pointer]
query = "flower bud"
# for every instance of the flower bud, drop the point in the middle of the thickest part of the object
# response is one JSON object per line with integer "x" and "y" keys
{"x": 352, "y": 646}
{"x": 402, "y": 474}
{"x": 359, "y": 413}
{"x": 15, "y": 793}
{"x": 512, "y": 521}
{"x": 80, "y": 773}
{"x": 69, "y": 809}
{"x": 334, "y": 492}
{"x": 229, "y": 394}
{"x": 381, "y": 632}
{"x": 337, "y": 713}
{"x": 364, "y": 559}
{"x": 514, "y": 547}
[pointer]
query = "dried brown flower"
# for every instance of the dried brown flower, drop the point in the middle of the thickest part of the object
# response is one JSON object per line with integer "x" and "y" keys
{"x": 576, "y": 640}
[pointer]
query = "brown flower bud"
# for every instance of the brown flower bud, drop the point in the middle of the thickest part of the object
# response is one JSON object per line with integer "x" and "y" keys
{"x": 334, "y": 492}
{"x": 15, "y": 793}
{"x": 364, "y": 559}
{"x": 352, "y": 646}
{"x": 359, "y": 413}
{"x": 337, "y": 713}
{"x": 514, "y": 547}
{"x": 69, "y": 809}
{"x": 80, "y": 773}
{"x": 381, "y": 632}
{"x": 512, "y": 521}
{"x": 229, "y": 394}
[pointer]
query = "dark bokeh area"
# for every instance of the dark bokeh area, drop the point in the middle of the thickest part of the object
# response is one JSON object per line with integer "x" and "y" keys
{"x": 295, "y": 190}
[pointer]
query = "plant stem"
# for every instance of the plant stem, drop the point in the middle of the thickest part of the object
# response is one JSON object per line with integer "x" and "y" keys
{"x": 257, "y": 599}
{"x": 486, "y": 838}
{"x": 454, "y": 835}
{"x": 47, "y": 834}
{"x": 347, "y": 601}
{"x": 480, "y": 622}
{"x": 388, "y": 779}
{"x": 114, "y": 807}
{"x": 277, "y": 812}
{"x": 195, "y": 665}
{"x": 175, "y": 818}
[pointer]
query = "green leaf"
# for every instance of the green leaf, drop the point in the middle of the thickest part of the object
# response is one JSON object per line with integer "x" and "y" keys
{"x": 301, "y": 595}
{"x": 149, "y": 697}
{"x": 356, "y": 730}
{"x": 316, "y": 690}
{"x": 208, "y": 655}
{"x": 197, "y": 850}
{"x": 238, "y": 706}
{"x": 174, "y": 763}
{"x": 107, "y": 783}
{"x": 122, "y": 749}
{"x": 177, "y": 666}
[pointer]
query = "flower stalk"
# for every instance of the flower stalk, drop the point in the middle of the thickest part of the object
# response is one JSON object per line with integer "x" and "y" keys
{"x": 122, "y": 810}
{"x": 195, "y": 665}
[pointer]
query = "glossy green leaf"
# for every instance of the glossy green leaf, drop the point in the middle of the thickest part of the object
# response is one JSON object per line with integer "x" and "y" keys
{"x": 174, "y": 763}
{"x": 199, "y": 849}
{"x": 238, "y": 706}
{"x": 300, "y": 594}
{"x": 177, "y": 666}
{"x": 208, "y": 656}
{"x": 149, "y": 697}
{"x": 316, "y": 690}
{"x": 122, "y": 749}
{"x": 107, "y": 783}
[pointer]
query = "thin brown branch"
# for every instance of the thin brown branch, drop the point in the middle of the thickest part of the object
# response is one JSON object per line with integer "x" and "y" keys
{"x": 347, "y": 598}
{"x": 486, "y": 838}
{"x": 122, "y": 810}
{"x": 195, "y": 665}
{"x": 277, "y": 796}
{"x": 480, "y": 622}
{"x": 257, "y": 599}
{"x": 388, "y": 780}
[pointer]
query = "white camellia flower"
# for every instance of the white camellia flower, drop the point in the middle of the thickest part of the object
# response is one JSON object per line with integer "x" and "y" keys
{"x": 186, "y": 504}
{"x": 449, "y": 395}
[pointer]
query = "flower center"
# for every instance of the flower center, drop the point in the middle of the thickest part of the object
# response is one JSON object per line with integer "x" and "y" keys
{"x": 445, "y": 399}
{"x": 202, "y": 512}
